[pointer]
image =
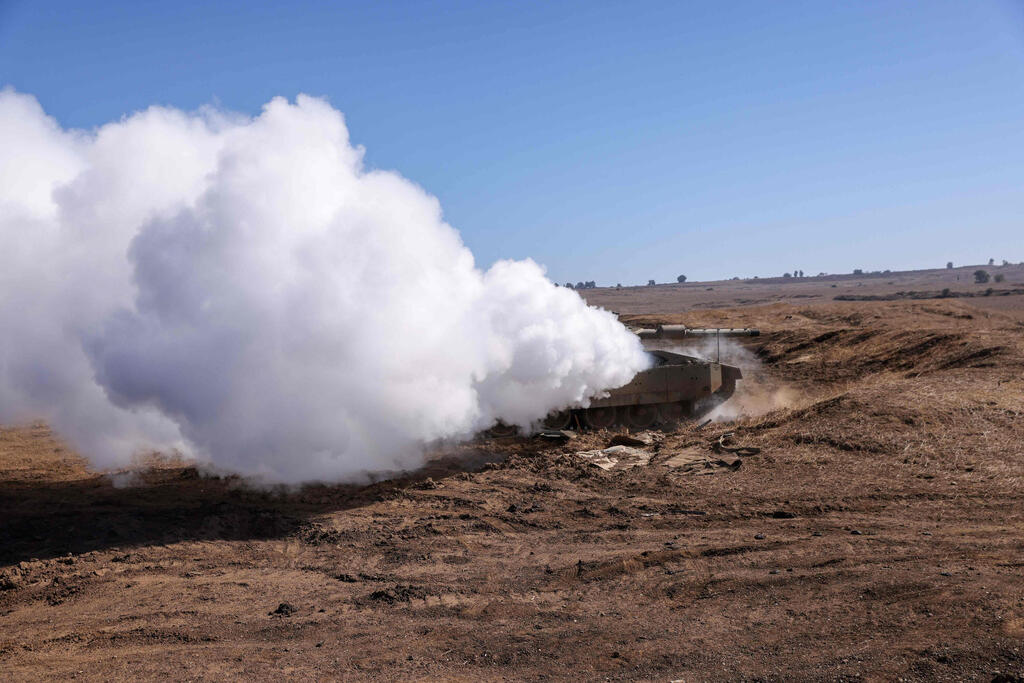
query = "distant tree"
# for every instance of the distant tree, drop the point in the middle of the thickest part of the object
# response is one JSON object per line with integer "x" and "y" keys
{"x": 569, "y": 285}
{"x": 618, "y": 285}
{"x": 991, "y": 261}
{"x": 580, "y": 285}
{"x": 945, "y": 293}
{"x": 999, "y": 277}
{"x": 650, "y": 283}
{"x": 949, "y": 265}
{"x": 981, "y": 276}
{"x": 735, "y": 277}
{"x": 858, "y": 271}
{"x": 590, "y": 284}
{"x": 681, "y": 279}
{"x": 1005, "y": 262}
{"x": 786, "y": 275}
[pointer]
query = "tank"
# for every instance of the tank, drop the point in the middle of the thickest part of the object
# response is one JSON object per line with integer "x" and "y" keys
{"x": 675, "y": 388}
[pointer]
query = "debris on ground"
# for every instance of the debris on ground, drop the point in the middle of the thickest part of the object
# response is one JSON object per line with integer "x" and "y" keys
{"x": 638, "y": 440}
{"x": 696, "y": 460}
{"x": 616, "y": 457}
{"x": 724, "y": 445}
{"x": 561, "y": 435}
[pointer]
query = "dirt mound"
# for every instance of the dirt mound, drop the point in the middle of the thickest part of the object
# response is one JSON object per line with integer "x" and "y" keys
{"x": 852, "y": 352}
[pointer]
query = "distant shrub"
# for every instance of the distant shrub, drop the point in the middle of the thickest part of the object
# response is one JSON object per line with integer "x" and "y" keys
{"x": 786, "y": 275}
{"x": 949, "y": 265}
{"x": 945, "y": 293}
{"x": 858, "y": 271}
{"x": 981, "y": 276}
{"x": 999, "y": 277}
{"x": 650, "y": 283}
{"x": 681, "y": 279}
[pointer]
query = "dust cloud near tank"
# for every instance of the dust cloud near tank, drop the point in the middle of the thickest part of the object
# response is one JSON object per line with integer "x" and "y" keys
{"x": 245, "y": 291}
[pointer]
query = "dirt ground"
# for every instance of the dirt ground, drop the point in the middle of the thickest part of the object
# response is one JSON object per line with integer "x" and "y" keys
{"x": 878, "y": 534}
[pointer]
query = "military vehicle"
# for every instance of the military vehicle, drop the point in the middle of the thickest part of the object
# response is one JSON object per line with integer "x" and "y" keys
{"x": 676, "y": 387}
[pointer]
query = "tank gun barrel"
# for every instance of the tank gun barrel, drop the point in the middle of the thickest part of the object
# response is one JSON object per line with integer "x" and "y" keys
{"x": 682, "y": 331}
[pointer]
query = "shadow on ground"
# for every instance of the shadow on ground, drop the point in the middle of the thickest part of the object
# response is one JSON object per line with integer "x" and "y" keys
{"x": 44, "y": 518}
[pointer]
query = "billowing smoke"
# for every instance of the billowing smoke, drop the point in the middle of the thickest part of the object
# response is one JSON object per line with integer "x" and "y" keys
{"x": 243, "y": 290}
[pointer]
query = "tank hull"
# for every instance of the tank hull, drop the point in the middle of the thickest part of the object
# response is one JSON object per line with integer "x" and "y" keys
{"x": 677, "y": 388}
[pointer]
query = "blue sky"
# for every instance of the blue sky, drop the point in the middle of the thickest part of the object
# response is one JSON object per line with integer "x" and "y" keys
{"x": 614, "y": 142}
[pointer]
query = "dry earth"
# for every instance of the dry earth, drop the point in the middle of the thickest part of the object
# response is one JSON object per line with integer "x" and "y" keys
{"x": 878, "y": 534}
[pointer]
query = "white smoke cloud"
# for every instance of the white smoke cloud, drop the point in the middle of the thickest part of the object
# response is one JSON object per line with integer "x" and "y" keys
{"x": 243, "y": 290}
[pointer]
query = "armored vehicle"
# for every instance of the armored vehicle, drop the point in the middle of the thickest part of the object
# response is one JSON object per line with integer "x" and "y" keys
{"x": 676, "y": 387}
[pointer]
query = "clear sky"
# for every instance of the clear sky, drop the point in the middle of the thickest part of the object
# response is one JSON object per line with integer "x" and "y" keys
{"x": 609, "y": 141}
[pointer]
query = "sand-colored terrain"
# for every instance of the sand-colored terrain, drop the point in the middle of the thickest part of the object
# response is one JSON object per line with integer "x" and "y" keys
{"x": 877, "y": 534}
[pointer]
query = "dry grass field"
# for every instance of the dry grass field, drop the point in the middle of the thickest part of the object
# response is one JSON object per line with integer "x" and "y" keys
{"x": 876, "y": 534}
